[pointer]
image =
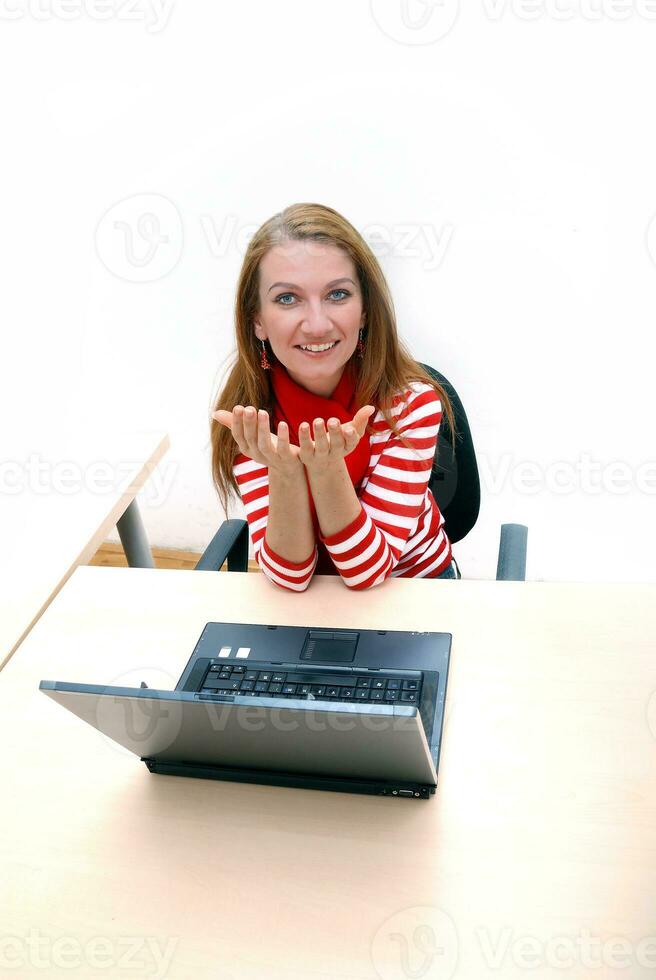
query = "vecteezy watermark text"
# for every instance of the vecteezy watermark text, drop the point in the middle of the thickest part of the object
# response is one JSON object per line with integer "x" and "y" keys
{"x": 583, "y": 475}
{"x": 417, "y": 22}
{"x": 413, "y": 240}
{"x": 153, "y": 13}
{"x": 123, "y": 953}
{"x": 566, "y": 10}
{"x": 67, "y": 477}
{"x": 565, "y": 952}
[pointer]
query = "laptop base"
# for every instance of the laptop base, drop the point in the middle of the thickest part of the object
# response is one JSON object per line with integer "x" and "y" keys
{"x": 298, "y": 780}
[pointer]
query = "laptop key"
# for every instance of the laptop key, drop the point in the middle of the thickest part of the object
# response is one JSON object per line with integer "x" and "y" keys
{"x": 261, "y": 686}
{"x": 289, "y": 689}
{"x": 274, "y": 688}
{"x": 393, "y": 685}
{"x": 377, "y": 695}
{"x": 250, "y": 675}
{"x": 279, "y": 678}
{"x": 409, "y": 697}
{"x": 361, "y": 694}
{"x": 391, "y": 695}
{"x": 409, "y": 685}
{"x": 247, "y": 685}
{"x": 238, "y": 669}
{"x": 378, "y": 685}
{"x": 318, "y": 689}
{"x": 332, "y": 692}
{"x": 364, "y": 682}
{"x": 234, "y": 685}
{"x": 346, "y": 692}
{"x": 264, "y": 675}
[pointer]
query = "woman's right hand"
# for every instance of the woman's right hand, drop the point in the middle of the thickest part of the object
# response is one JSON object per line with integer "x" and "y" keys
{"x": 251, "y": 431}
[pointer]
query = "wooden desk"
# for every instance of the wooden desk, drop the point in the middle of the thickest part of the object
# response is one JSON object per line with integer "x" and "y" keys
{"x": 73, "y": 490}
{"x": 540, "y": 838}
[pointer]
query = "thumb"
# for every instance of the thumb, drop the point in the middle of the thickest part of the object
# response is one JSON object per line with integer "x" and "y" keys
{"x": 225, "y": 418}
{"x": 362, "y": 416}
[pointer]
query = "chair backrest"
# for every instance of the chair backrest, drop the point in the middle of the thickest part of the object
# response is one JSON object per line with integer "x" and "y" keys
{"x": 454, "y": 480}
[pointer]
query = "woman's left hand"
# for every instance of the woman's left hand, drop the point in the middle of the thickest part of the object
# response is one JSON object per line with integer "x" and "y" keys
{"x": 334, "y": 443}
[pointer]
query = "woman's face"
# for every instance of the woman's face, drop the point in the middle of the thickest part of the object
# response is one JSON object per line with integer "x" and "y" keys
{"x": 310, "y": 295}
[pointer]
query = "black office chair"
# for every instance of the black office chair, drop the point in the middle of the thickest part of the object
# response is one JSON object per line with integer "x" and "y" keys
{"x": 454, "y": 482}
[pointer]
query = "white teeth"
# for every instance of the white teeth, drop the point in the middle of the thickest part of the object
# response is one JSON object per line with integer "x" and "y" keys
{"x": 317, "y": 347}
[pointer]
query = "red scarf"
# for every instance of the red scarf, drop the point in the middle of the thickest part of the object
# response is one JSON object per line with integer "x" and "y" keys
{"x": 293, "y": 405}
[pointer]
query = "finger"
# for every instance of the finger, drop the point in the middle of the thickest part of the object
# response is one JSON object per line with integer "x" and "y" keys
{"x": 225, "y": 418}
{"x": 335, "y": 435}
{"x": 250, "y": 426}
{"x": 284, "y": 447}
{"x": 305, "y": 443}
{"x": 264, "y": 441}
{"x": 351, "y": 439}
{"x": 238, "y": 429}
{"x": 283, "y": 438}
{"x": 321, "y": 443}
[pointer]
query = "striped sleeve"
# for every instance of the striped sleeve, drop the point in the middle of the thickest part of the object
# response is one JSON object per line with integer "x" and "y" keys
{"x": 253, "y": 482}
{"x": 394, "y": 491}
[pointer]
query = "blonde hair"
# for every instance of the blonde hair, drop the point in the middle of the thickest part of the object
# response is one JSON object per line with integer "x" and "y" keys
{"x": 386, "y": 368}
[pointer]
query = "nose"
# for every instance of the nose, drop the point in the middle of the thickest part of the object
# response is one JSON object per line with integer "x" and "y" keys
{"x": 317, "y": 322}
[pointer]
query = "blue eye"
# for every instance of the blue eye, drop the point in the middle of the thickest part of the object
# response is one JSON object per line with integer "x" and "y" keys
{"x": 332, "y": 292}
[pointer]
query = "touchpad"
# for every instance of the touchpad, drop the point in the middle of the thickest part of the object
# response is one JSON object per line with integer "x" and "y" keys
{"x": 329, "y": 646}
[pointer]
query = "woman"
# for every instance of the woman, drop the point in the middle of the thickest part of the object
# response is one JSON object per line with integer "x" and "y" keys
{"x": 339, "y": 484}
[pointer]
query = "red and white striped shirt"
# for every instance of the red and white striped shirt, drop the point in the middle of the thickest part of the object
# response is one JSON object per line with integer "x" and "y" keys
{"x": 399, "y": 531}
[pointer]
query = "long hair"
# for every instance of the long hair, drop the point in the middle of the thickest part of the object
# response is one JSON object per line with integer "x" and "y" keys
{"x": 386, "y": 368}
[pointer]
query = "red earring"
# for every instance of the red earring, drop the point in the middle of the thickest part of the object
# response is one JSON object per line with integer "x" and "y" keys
{"x": 360, "y": 346}
{"x": 264, "y": 364}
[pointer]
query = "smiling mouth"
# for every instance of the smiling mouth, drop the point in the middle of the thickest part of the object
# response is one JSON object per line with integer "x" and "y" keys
{"x": 322, "y": 348}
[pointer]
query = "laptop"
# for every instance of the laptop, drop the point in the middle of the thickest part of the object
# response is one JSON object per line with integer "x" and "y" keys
{"x": 357, "y": 711}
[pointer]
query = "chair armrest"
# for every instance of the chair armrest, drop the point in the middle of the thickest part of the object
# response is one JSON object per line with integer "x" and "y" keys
{"x": 511, "y": 566}
{"x": 231, "y": 542}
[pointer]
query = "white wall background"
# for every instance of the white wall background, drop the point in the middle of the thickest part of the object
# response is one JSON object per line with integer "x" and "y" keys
{"x": 500, "y": 158}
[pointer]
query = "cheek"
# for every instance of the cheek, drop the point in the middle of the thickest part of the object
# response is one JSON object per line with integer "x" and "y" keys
{"x": 279, "y": 331}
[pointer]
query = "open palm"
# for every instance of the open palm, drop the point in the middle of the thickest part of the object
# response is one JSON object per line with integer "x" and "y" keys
{"x": 251, "y": 431}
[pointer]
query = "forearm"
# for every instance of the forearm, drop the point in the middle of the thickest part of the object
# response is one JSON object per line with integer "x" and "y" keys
{"x": 335, "y": 499}
{"x": 289, "y": 530}
{"x": 358, "y": 548}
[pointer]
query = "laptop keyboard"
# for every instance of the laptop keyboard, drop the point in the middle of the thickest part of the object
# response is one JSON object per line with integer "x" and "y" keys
{"x": 261, "y": 680}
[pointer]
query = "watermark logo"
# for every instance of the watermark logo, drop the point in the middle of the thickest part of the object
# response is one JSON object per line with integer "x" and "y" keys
{"x": 415, "y": 22}
{"x": 148, "y": 724}
{"x": 414, "y": 943}
{"x": 140, "y": 238}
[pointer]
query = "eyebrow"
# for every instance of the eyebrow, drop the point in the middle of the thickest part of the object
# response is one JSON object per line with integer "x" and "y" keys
{"x": 291, "y": 285}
